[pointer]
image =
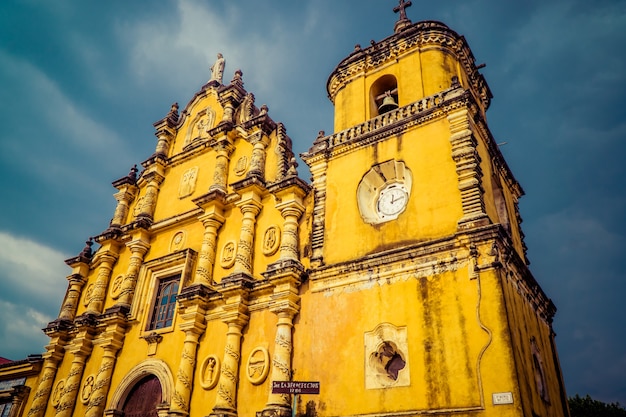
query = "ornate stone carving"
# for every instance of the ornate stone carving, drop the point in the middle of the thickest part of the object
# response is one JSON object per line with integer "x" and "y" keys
{"x": 258, "y": 365}
{"x": 87, "y": 390}
{"x": 209, "y": 372}
{"x": 386, "y": 357}
{"x": 271, "y": 240}
{"x": 116, "y": 287}
{"x": 178, "y": 241}
{"x": 188, "y": 182}
{"x": 241, "y": 166}
{"x": 229, "y": 253}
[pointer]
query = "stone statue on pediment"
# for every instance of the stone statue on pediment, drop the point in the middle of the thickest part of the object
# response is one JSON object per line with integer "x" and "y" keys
{"x": 217, "y": 69}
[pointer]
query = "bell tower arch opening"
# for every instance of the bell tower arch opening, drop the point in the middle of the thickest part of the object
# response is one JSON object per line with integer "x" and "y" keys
{"x": 383, "y": 95}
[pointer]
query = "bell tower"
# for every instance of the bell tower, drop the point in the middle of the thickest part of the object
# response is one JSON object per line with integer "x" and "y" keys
{"x": 418, "y": 264}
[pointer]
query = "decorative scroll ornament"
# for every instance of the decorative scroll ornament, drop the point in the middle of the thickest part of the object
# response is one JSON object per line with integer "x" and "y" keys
{"x": 258, "y": 365}
{"x": 210, "y": 372}
{"x": 229, "y": 252}
{"x": 271, "y": 240}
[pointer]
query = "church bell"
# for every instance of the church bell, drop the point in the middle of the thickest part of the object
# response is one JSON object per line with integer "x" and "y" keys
{"x": 388, "y": 104}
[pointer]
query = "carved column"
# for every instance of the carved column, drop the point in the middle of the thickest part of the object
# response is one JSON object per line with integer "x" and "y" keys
{"x": 70, "y": 304}
{"x": 138, "y": 248}
{"x": 220, "y": 176}
{"x": 53, "y": 356}
{"x": 192, "y": 314}
{"x": 250, "y": 207}
{"x": 154, "y": 180}
{"x": 206, "y": 259}
{"x": 257, "y": 161}
{"x": 236, "y": 317}
{"x": 111, "y": 341}
{"x": 80, "y": 348}
{"x": 467, "y": 160}
{"x": 165, "y": 131}
{"x": 291, "y": 212}
{"x": 104, "y": 261}
{"x": 124, "y": 197}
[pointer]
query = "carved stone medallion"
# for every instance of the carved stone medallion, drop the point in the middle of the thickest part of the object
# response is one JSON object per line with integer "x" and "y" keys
{"x": 87, "y": 390}
{"x": 178, "y": 241}
{"x": 88, "y": 295}
{"x": 271, "y": 240}
{"x": 116, "y": 287}
{"x": 241, "y": 166}
{"x": 210, "y": 372}
{"x": 57, "y": 393}
{"x": 229, "y": 251}
{"x": 188, "y": 182}
{"x": 258, "y": 366}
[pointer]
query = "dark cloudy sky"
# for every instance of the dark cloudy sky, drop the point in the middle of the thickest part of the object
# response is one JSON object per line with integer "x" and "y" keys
{"x": 82, "y": 82}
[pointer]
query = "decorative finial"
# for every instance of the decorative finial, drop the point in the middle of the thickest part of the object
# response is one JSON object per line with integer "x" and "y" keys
{"x": 87, "y": 252}
{"x": 173, "y": 114}
{"x": 293, "y": 165}
{"x": 264, "y": 109}
{"x": 217, "y": 70}
{"x": 132, "y": 175}
{"x": 403, "y": 21}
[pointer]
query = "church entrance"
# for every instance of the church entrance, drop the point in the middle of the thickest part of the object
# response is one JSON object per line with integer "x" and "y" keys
{"x": 143, "y": 398}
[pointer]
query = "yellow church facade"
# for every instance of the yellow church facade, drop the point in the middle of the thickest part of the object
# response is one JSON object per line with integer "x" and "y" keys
{"x": 394, "y": 283}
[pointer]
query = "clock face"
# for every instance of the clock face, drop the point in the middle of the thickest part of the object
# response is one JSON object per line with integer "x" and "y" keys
{"x": 392, "y": 200}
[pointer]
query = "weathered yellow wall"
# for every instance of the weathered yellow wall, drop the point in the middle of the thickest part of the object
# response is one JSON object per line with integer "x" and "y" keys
{"x": 434, "y": 205}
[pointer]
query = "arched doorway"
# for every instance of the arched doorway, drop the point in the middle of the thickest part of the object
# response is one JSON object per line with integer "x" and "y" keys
{"x": 143, "y": 398}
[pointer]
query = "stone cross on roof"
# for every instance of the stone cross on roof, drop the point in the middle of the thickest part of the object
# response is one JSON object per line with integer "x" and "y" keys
{"x": 403, "y": 21}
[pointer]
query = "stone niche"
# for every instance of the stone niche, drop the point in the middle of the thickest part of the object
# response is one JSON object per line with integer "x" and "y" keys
{"x": 386, "y": 357}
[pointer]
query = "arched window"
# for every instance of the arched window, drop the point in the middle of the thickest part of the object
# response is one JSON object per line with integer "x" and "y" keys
{"x": 143, "y": 399}
{"x": 165, "y": 303}
{"x": 383, "y": 95}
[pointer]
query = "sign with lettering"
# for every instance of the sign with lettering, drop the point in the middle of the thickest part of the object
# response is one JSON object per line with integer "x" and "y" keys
{"x": 295, "y": 387}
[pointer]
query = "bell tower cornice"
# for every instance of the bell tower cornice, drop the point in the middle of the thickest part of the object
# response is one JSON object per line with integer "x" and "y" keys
{"x": 409, "y": 39}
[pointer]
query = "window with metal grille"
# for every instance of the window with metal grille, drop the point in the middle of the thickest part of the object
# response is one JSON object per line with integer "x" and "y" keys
{"x": 165, "y": 303}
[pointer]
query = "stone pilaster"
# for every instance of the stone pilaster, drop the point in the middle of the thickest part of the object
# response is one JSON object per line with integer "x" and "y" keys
{"x": 212, "y": 219}
{"x": 80, "y": 348}
{"x": 166, "y": 130}
{"x": 220, "y": 176}
{"x": 104, "y": 261}
{"x": 138, "y": 248}
{"x": 111, "y": 341}
{"x": 250, "y": 206}
{"x": 318, "y": 171}
{"x": 235, "y": 293}
{"x": 154, "y": 180}
{"x": 467, "y": 160}
{"x": 193, "y": 307}
{"x": 257, "y": 162}
{"x": 70, "y": 304}
{"x": 55, "y": 351}
{"x": 286, "y": 279}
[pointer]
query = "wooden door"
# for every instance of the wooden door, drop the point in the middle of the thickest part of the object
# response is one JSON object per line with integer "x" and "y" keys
{"x": 143, "y": 398}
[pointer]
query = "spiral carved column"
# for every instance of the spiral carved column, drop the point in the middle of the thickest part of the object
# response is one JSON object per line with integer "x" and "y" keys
{"x": 138, "y": 249}
{"x": 193, "y": 311}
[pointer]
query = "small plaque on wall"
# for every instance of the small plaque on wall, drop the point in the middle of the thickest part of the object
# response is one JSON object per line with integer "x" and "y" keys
{"x": 502, "y": 398}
